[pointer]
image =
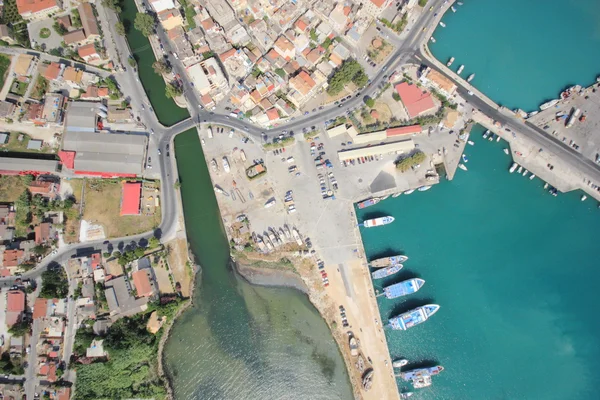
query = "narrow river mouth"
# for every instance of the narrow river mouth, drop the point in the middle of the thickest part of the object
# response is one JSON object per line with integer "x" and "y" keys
{"x": 239, "y": 340}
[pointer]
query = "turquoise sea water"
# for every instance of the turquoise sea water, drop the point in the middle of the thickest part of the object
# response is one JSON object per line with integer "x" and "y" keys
{"x": 515, "y": 271}
{"x": 523, "y": 52}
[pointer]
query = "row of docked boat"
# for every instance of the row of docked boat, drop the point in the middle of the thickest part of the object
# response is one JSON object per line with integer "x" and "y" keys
{"x": 389, "y": 266}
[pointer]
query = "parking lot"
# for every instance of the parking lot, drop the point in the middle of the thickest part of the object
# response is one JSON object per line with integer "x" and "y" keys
{"x": 583, "y": 132}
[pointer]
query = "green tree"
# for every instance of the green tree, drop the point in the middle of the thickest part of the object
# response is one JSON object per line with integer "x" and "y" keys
{"x": 75, "y": 18}
{"x": 161, "y": 67}
{"x": 369, "y": 102}
{"x": 120, "y": 28}
{"x": 396, "y": 96}
{"x": 114, "y": 5}
{"x": 153, "y": 242}
{"x": 59, "y": 28}
{"x": 144, "y": 23}
{"x": 422, "y": 3}
{"x": 208, "y": 54}
{"x": 280, "y": 72}
{"x": 54, "y": 284}
{"x": 20, "y": 328}
{"x": 349, "y": 71}
{"x": 172, "y": 91}
{"x": 132, "y": 62}
{"x": 406, "y": 163}
{"x": 23, "y": 205}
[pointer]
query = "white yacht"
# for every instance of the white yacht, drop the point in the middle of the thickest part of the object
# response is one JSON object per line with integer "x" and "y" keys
{"x": 462, "y": 166}
{"x": 520, "y": 170}
{"x": 486, "y": 133}
{"x": 449, "y": 63}
{"x": 443, "y": 25}
{"x": 470, "y": 78}
{"x": 498, "y": 138}
{"x": 513, "y": 167}
{"x": 460, "y": 69}
{"x": 583, "y": 197}
{"x": 531, "y": 177}
{"x": 525, "y": 172}
{"x": 472, "y": 143}
{"x": 506, "y": 151}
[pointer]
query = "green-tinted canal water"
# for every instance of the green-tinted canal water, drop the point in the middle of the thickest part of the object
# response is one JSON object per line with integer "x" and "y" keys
{"x": 515, "y": 272}
{"x": 166, "y": 110}
{"x": 241, "y": 341}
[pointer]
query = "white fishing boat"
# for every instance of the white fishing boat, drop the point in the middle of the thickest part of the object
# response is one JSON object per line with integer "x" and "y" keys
{"x": 583, "y": 197}
{"x": 453, "y": 9}
{"x": 531, "y": 177}
{"x": 513, "y": 167}
{"x": 491, "y": 137}
{"x": 226, "y": 165}
{"x": 462, "y": 166}
{"x": 549, "y": 104}
{"x": 470, "y": 78}
{"x": 472, "y": 143}
{"x": 486, "y": 133}
{"x": 459, "y": 3}
{"x": 546, "y": 186}
{"x": 202, "y": 141}
{"x": 525, "y": 172}
{"x": 449, "y": 63}
{"x": 498, "y": 138}
{"x": 270, "y": 203}
{"x": 460, "y": 69}
{"x": 443, "y": 25}
{"x": 409, "y": 191}
{"x": 396, "y": 195}
{"x": 424, "y": 188}
{"x": 520, "y": 170}
{"x": 505, "y": 151}
{"x": 399, "y": 363}
{"x": 531, "y": 114}
{"x": 385, "y": 197}
{"x": 432, "y": 39}
{"x": 464, "y": 158}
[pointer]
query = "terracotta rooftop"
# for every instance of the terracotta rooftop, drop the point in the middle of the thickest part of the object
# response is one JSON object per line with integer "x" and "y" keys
{"x": 414, "y": 99}
{"x": 87, "y": 50}
{"x": 34, "y": 6}
{"x": 142, "y": 283}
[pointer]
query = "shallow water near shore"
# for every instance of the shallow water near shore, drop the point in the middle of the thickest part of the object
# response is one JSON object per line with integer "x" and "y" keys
{"x": 515, "y": 273}
{"x": 241, "y": 341}
{"x": 523, "y": 53}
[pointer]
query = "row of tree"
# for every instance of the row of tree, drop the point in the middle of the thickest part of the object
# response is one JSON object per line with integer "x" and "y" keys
{"x": 350, "y": 71}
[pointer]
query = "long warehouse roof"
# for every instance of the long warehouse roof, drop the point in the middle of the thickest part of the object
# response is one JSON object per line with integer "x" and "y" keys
{"x": 27, "y": 164}
{"x": 105, "y": 152}
{"x": 402, "y": 146}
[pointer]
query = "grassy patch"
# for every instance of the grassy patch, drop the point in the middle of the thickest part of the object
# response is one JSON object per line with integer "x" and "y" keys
{"x": 45, "y": 33}
{"x": 16, "y": 145}
{"x": 11, "y": 187}
{"x": 103, "y": 206}
{"x": 40, "y": 88}
{"x": 288, "y": 141}
{"x": 19, "y": 88}
{"x": 4, "y": 65}
{"x": 188, "y": 9}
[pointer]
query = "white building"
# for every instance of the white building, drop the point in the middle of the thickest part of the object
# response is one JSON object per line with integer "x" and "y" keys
{"x": 162, "y": 5}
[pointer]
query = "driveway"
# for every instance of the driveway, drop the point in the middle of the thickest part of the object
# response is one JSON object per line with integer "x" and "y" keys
{"x": 52, "y": 42}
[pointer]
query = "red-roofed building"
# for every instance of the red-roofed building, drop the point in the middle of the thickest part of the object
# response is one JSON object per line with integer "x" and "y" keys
{"x": 144, "y": 284}
{"x": 130, "y": 202}
{"x": 43, "y": 188}
{"x": 39, "y": 308}
{"x": 88, "y": 53}
{"x": 42, "y": 233}
{"x": 415, "y": 100}
{"x": 375, "y": 7}
{"x": 96, "y": 259}
{"x": 67, "y": 158}
{"x": 52, "y": 71}
{"x": 403, "y": 130}
{"x": 15, "y": 305}
{"x": 34, "y": 9}
{"x": 49, "y": 371}
{"x": 12, "y": 258}
{"x": 273, "y": 114}
{"x": 227, "y": 54}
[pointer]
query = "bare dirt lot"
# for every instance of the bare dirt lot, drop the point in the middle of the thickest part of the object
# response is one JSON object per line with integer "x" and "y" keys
{"x": 102, "y": 204}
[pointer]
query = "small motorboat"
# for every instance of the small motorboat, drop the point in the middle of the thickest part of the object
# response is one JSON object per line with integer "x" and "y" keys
{"x": 464, "y": 158}
{"x": 506, "y": 151}
{"x": 531, "y": 177}
{"x": 498, "y": 138}
{"x": 546, "y": 186}
{"x": 472, "y": 143}
{"x": 443, "y": 25}
{"x": 486, "y": 133}
{"x": 525, "y": 172}
{"x": 406, "y": 395}
{"x": 513, "y": 167}
{"x": 462, "y": 166}
{"x": 202, "y": 141}
{"x": 453, "y": 9}
{"x": 409, "y": 191}
{"x": 583, "y": 197}
{"x": 491, "y": 137}
{"x": 520, "y": 169}
{"x": 399, "y": 363}
{"x": 432, "y": 39}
